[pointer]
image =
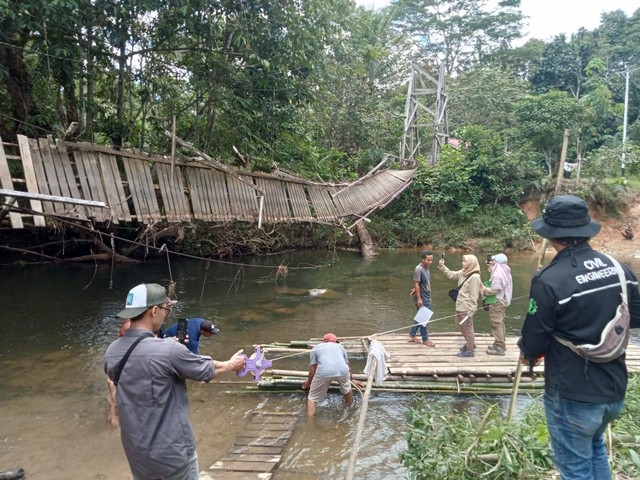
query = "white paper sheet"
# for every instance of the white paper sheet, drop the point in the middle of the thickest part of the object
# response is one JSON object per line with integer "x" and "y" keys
{"x": 423, "y": 316}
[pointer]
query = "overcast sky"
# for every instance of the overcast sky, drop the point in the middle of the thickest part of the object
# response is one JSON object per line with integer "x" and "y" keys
{"x": 551, "y": 17}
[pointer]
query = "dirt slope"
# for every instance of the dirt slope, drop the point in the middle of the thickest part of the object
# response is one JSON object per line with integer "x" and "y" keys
{"x": 610, "y": 238}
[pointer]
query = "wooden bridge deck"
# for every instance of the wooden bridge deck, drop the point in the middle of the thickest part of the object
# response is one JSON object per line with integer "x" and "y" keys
{"x": 151, "y": 188}
{"x": 257, "y": 452}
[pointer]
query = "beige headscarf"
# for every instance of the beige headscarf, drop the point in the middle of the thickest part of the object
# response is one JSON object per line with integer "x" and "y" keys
{"x": 472, "y": 265}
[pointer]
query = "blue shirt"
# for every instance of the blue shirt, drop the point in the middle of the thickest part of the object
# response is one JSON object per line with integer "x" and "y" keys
{"x": 193, "y": 331}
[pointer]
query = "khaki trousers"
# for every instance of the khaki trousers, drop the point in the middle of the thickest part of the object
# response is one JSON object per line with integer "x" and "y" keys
{"x": 466, "y": 329}
{"x": 496, "y": 315}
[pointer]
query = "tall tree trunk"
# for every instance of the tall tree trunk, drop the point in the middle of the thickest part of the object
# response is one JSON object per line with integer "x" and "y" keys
{"x": 20, "y": 88}
{"x": 91, "y": 86}
{"x": 117, "y": 137}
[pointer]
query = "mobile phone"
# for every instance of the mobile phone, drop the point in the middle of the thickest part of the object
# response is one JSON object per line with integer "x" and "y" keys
{"x": 442, "y": 256}
{"x": 489, "y": 257}
{"x": 181, "y": 332}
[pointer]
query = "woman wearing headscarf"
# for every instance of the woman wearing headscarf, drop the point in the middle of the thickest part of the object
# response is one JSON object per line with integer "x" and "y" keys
{"x": 469, "y": 288}
{"x": 502, "y": 288}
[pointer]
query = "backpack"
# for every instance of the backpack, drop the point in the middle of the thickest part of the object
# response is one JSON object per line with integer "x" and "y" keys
{"x": 615, "y": 335}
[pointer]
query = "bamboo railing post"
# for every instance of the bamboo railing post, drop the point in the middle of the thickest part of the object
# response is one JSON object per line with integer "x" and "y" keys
{"x": 363, "y": 417}
{"x": 514, "y": 391}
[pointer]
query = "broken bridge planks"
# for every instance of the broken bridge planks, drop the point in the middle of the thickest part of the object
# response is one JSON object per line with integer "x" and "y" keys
{"x": 257, "y": 450}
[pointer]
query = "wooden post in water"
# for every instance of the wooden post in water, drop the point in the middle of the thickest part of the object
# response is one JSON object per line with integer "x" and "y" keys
{"x": 366, "y": 244}
{"x": 563, "y": 158}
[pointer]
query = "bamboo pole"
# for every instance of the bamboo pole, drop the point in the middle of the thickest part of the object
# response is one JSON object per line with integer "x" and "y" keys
{"x": 563, "y": 158}
{"x": 514, "y": 392}
{"x": 363, "y": 417}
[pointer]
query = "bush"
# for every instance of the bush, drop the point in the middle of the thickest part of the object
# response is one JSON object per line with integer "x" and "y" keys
{"x": 443, "y": 444}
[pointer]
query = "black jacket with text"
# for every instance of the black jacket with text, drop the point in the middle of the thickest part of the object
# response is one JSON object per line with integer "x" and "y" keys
{"x": 574, "y": 297}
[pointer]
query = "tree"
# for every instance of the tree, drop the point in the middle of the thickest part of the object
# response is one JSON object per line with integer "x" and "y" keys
{"x": 563, "y": 63}
{"x": 459, "y": 32}
{"x": 484, "y": 96}
{"x": 542, "y": 120}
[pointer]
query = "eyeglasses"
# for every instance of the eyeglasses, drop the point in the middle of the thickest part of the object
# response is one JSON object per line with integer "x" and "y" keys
{"x": 168, "y": 309}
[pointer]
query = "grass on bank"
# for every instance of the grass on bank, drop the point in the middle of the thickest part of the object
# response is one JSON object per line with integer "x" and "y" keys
{"x": 443, "y": 443}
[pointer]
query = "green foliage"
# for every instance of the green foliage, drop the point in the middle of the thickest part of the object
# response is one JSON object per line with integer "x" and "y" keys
{"x": 542, "y": 120}
{"x": 473, "y": 99}
{"x": 460, "y": 32}
{"x": 626, "y": 451}
{"x": 441, "y": 443}
{"x": 606, "y": 161}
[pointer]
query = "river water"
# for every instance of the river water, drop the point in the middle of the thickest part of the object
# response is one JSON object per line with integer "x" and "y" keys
{"x": 58, "y": 320}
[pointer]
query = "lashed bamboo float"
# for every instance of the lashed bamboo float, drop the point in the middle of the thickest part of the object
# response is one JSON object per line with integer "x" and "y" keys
{"x": 413, "y": 367}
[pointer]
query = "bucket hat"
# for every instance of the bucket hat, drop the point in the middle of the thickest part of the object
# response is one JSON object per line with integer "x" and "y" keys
{"x": 566, "y": 216}
{"x": 144, "y": 296}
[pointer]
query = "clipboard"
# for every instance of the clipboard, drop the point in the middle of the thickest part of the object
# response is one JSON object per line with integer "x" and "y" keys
{"x": 491, "y": 299}
{"x": 423, "y": 316}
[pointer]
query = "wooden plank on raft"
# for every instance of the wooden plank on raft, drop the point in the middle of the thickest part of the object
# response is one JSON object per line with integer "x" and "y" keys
{"x": 5, "y": 182}
{"x": 30, "y": 179}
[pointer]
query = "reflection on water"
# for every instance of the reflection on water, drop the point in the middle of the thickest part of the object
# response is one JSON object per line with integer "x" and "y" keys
{"x": 58, "y": 321}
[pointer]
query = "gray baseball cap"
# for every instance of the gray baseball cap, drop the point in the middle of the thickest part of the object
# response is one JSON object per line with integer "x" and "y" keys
{"x": 142, "y": 297}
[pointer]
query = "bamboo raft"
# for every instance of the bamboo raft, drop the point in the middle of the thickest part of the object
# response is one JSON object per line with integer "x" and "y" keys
{"x": 413, "y": 367}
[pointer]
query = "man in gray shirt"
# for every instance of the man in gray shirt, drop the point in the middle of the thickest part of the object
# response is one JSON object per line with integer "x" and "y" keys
{"x": 151, "y": 389}
{"x": 421, "y": 295}
{"x": 328, "y": 362}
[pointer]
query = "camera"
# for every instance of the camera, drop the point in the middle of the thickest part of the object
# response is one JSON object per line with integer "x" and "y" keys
{"x": 181, "y": 333}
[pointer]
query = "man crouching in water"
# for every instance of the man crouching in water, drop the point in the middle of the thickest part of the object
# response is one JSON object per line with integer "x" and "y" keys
{"x": 329, "y": 362}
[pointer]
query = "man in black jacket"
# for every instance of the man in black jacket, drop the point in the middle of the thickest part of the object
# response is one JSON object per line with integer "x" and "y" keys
{"x": 574, "y": 297}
